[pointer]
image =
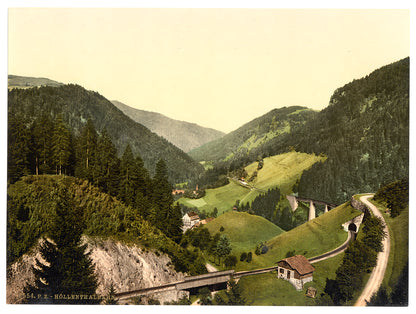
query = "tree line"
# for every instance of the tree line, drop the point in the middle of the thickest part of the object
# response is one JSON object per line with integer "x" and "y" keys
{"x": 359, "y": 259}
{"x": 273, "y": 206}
{"x": 75, "y": 105}
{"x": 49, "y": 147}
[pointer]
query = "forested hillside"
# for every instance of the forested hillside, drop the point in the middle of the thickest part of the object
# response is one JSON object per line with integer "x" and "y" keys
{"x": 32, "y": 212}
{"x": 246, "y": 143}
{"x": 184, "y": 135}
{"x": 364, "y": 132}
{"x": 75, "y": 105}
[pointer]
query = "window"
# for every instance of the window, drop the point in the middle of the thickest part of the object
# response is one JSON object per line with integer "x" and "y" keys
{"x": 281, "y": 270}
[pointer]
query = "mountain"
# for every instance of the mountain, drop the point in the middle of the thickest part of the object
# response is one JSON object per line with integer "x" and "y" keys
{"x": 76, "y": 105}
{"x": 15, "y": 81}
{"x": 184, "y": 135}
{"x": 364, "y": 132}
{"x": 240, "y": 144}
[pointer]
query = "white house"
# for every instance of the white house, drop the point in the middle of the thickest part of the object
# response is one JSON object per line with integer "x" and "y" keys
{"x": 189, "y": 220}
{"x": 296, "y": 269}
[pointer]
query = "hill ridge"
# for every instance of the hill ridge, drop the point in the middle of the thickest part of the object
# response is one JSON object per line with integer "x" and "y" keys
{"x": 183, "y": 134}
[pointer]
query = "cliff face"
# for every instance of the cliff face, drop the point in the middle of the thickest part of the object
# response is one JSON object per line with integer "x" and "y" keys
{"x": 126, "y": 267}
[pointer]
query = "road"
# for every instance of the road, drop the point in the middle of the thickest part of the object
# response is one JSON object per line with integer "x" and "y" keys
{"x": 377, "y": 275}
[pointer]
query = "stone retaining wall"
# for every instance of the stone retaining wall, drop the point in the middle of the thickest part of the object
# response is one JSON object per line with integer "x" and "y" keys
{"x": 358, "y": 205}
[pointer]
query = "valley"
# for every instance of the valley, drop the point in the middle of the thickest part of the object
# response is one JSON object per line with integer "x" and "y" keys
{"x": 74, "y": 156}
{"x": 282, "y": 171}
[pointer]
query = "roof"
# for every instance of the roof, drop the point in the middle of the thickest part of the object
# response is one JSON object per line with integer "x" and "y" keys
{"x": 193, "y": 216}
{"x": 204, "y": 222}
{"x": 299, "y": 263}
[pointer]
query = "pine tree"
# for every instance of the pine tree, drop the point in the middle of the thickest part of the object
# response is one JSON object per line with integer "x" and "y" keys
{"x": 68, "y": 270}
{"x": 111, "y": 297}
{"x": 41, "y": 144}
{"x": 174, "y": 230}
{"x": 223, "y": 248}
{"x": 18, "y": 148}
{"x": 87, "y": 146}
{"x": 128, "y": 177}
{"x": 162, "y": 190}
{"x": 61, "y": 145}
{"x": 106, "y": 165}
{"x": 162, "y": 199}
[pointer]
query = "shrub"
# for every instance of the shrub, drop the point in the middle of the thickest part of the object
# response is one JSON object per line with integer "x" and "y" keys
{"x": 243, "y": 256}
{"x": 230, "y": 261}
{"x": 249, "y": 257}
{"x": 264, "y": 249}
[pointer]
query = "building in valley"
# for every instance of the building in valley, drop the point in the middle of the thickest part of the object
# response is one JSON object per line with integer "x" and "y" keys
{"x": 189, "y": 220}
{"x": 296, "y": 269}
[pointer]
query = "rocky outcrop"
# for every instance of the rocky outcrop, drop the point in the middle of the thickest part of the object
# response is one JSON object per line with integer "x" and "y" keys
{"x": 127, "y": 267}
{"x": 358, "y": 205}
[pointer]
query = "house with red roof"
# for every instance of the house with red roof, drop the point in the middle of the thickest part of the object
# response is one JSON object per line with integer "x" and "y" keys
{"x": 296, "y": 269}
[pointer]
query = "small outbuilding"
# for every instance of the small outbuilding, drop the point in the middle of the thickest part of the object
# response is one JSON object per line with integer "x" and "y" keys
{"x": 296, "y": 269}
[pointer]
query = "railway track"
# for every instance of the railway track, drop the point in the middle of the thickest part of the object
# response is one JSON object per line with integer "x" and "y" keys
{"x": 235, "y": 275}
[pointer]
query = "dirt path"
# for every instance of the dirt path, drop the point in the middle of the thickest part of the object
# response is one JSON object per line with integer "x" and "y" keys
{"x": 377, "y": 275}
{"x": 210, "y": 268}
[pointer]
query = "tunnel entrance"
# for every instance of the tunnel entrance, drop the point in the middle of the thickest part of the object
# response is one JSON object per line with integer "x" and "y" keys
{"x": 352, "y": 227}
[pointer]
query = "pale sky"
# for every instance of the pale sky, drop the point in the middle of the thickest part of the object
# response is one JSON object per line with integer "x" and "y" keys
{"x": 219, "y": 68}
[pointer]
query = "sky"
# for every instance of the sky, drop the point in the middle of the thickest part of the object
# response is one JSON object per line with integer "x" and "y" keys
{"x": 219, "y": 68}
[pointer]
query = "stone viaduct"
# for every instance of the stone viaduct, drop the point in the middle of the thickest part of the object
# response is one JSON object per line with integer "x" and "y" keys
{"x": 190, "y": 285}
{"x": 293, "y": 201}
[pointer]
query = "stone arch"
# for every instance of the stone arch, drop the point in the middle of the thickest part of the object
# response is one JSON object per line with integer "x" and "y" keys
{"x": 352, "y": 227}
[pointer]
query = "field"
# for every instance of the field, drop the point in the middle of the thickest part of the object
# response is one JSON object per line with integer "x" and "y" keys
{"x": 278, "y": 171}
{"x": 244, "y": 230}
{"x": 313, "y": 238}
{"x": 267, "y": 289}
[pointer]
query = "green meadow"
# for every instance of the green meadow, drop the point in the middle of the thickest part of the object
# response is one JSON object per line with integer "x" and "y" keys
{"x": 313, "y": 238}
{"x": 244, "y": 230}
{"x": 280, "y": 171}
{"x": 267, "y": 289}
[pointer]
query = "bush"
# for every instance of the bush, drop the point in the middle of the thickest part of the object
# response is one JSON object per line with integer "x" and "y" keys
{"x": 230, "y": 261}
{"x": 249, "y": 257}
{"x": 290, "y": 253}
{"x": 243, "y": 256}
{"x": 264, "y": 249}
{"x": 261, "y": 249}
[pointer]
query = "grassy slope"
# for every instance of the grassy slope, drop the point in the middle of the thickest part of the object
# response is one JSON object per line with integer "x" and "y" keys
{"x": 244, "y": 230}
{"x": 278, "y": 171}
{"x": 313, "y": 238}
{"x": 267, "y": 289}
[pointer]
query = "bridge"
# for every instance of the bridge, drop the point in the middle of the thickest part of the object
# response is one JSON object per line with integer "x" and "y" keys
{"x": 293, "y": 201}
{"x": 218, "y": 280}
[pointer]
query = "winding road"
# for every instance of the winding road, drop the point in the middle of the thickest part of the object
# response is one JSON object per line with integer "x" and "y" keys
{"x": 376, "y": 278}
